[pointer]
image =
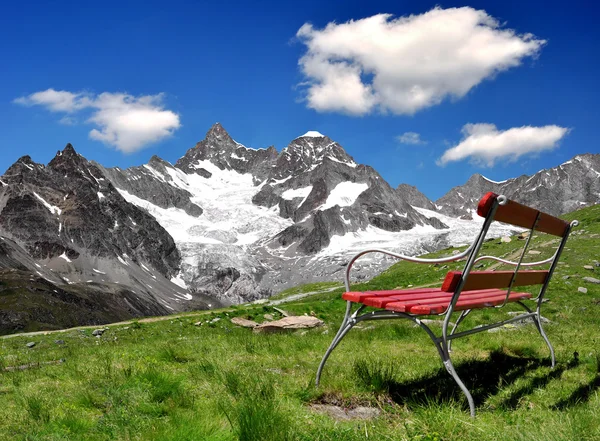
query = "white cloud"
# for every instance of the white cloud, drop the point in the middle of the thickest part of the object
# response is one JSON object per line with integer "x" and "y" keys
{"x": 410, "y": 138}
{"x": 406, "y": 64}
{"x": 124, "y": 121}
{"x": 485, "y": 144}
{"x": 56, "y": 100}
{"x": 67, "y": 121}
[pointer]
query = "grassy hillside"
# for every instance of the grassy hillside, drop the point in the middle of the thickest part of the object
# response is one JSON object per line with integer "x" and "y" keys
{"x": 173, "y": 380}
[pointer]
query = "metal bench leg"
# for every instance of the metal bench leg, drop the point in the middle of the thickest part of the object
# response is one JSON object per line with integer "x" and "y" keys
{"x": 450, "y": 368}
{"x": 347, "y": 324}
{"x": 333, "y": 345}
{"x": 538, "y": 323}
{"x": 460, "y": 319}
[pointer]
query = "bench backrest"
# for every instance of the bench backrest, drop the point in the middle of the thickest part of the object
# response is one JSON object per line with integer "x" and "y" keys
{"x": 494, "y": 207}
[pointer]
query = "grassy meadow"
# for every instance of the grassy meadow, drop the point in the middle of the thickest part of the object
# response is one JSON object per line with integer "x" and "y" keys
{"x": 178, "y": 380}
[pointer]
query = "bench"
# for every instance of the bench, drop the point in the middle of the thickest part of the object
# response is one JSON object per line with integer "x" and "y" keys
{"x": 463, "y": 291}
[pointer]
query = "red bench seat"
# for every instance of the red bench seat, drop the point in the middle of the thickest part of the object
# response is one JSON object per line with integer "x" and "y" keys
{"x": 426, "y": 301}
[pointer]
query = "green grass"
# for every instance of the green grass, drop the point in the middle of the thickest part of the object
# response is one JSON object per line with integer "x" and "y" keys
{"x": 173, "y": 381}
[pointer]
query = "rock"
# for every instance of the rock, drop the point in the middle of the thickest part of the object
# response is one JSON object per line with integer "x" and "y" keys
{"x": 455, "y": 251}
{"x": 524, "y": 235}
{"x": 215, "y": 320}
{"x": 198, "y": 324}
{"x": 269, "y": 317}
{"x": 97, "y": 332}
{"x": 31, "y": 344}
{"x": 535, "y": 252}
{"x": 245, "y": 323}
{"x": 282, "y": 312}
{"x": 588, "y": 267}
{"x": 480, "y": 265}
{"x": 343, "y": 414}
{"x": 59, "y": 342}
{"x": 591, "y": 280}
{"x": 260, "y": 301}
{"x": 566, "y": 277}
{"x": 582, "y": 290}
{"x": 292, "y": 322}
{"x": 506, "y": 239}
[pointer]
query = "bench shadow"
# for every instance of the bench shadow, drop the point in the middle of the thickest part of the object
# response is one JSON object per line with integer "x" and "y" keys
{"x": 580, "y": 395}
{"x": 483, "y": 378}
{"x": 512, "y": 401}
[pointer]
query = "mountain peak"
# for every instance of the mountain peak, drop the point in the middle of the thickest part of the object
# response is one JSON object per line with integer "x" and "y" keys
{"x": 217, "y": 131}
{"x": 312, "y": 134}
{"x": 65, "y": 159}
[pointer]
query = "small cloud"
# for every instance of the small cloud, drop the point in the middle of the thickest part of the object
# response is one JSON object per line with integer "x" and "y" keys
{"x": 67, "y": 121}
{"x": 485, "y": 144}
{"x": 406, "y": 64}
{"x": 412, "y": 138}
{"x": 124, "y": 121}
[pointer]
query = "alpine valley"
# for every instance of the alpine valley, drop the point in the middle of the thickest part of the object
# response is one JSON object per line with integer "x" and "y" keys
{"x": 225, "y": 224}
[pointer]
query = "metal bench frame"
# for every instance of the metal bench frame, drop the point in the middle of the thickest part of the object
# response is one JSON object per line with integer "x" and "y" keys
{"x": 443, "y": 342}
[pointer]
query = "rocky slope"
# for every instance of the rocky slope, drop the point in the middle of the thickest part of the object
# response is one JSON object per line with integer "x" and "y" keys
{"x": 69, "y": 218}
{"x": 558, "y": 190}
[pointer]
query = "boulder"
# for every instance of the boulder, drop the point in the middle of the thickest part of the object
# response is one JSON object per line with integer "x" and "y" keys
{"x": 245, "y": 323}
{"x": 292, "y": 322}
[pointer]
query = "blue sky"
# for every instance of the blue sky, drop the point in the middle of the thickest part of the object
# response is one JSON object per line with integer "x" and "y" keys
{"x": 131, "y": 79}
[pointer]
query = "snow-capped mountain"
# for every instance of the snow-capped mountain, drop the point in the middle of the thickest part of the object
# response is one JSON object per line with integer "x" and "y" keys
{"x": 228, "y": 223}
{"x": 571, "y": 185}
{"x": 79, "y": 230}
{"x": 238, "y": 215}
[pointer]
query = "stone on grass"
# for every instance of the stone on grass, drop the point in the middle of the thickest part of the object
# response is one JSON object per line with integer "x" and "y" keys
{"x": 588, "y": 267}
{"x": 566, "y": 277}
{"x": 31, "y": 344}
{"x": 582, "y": 290}
{"x": 505, "y": 239}
{"x": 244, "y": 323}
{"x": 269, "y": 317}
{"x": 282, "y": 312}
{"x": 287, "y": 323}
{"x": 591, "y": 280}
{"x": 59, "y": 342}
{"x": 97, "y": 332}
{"x": 535, "y": 252}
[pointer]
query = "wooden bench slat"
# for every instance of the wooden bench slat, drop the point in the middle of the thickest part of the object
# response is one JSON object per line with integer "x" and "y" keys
{"x": 360, "y": 296}
{"x": 493, "y": 279}
{"x": 521, "y": 215}
{"x": 465, "y": 301}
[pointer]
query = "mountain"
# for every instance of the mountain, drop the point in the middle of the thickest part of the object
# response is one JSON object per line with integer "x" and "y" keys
{"x": 570, "y": 186}
{"x": 69, "y": 218}
{"x": 239, "y": 214}
{"x": 225, "y": 224}
{"x": 414, "y": 197}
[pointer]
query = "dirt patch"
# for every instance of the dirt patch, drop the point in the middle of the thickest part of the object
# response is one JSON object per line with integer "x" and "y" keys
{"x": 344, "y": 414}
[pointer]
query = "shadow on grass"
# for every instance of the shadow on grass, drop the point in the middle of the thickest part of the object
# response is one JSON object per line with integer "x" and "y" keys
{"x": 483, "y": 378}
{"x": 580, "y": 395}
{"x": 512, "y": 401}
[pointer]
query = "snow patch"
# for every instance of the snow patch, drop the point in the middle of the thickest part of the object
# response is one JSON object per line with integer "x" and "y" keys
{"x": 296, "y": 193}
{"x": 64, "y": 256}
{"x": 52, "y": 208}
{"x": 100, "y": 195}
{"x": 344, "y": 194}
{"x": 312, "y": 134}
{"x": 97, "y": 271}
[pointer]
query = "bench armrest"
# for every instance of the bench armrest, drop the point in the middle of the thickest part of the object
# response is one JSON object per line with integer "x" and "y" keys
{"x": 452, "y": 258}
